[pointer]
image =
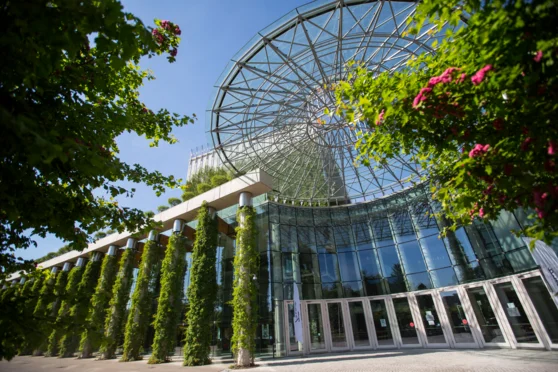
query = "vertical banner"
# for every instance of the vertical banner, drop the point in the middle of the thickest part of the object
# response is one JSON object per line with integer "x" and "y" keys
{"x": 297, "y": 318}
{"x": 546, "y": 258}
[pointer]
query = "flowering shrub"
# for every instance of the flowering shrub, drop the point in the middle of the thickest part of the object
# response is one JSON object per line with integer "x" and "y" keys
{"x": 479, "y": 115}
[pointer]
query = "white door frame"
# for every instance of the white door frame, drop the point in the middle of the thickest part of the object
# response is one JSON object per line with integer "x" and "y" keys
{"x": 414, "y": 315}
{"x": 369, "y": 325}
{"x": 421, "y": 326}
{"x": 469, "y": 316}
{"x": 390, "y": 319}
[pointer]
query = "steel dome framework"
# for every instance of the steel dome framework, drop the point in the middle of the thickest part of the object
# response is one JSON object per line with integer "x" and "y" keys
{"x": 268, "y": 109}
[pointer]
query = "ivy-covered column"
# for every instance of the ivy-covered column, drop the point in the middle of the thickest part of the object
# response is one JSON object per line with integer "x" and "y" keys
{"x": 62, "y": 323}
{"x": 80, "y": 306}
{"x": 31, "y": 291}
{"x": 202, "y": 291}
{"x": 60, "y": 294}
{"x": 114, "y": 320}
{"x": 42, "y": 311}
{"x": 95, "y": 322}
{"x": 245, "y": 292}
{"x": 170, "y": 298}
{"x": 141, "y": 308}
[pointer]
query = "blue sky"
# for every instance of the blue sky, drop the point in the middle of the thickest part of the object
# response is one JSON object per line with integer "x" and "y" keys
{"x": 212, "y": 32}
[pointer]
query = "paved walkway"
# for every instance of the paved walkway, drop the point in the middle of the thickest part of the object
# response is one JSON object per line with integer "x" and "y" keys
{"x": 487, "y": 360}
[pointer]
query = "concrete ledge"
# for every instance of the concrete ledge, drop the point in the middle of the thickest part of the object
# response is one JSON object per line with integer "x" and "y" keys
{"x": 256, "y": 182}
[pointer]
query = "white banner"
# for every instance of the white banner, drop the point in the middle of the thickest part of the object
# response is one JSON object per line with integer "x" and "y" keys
{"x": 546, "y": 258}
{"x": 297, "y": 318}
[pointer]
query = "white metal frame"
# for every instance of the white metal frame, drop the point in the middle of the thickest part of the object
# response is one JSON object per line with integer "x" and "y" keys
{"x": 421, "y": 326}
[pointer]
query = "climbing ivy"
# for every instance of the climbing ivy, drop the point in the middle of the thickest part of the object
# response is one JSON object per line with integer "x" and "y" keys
{"x": 141, "y": 309}
{"x": 170, "y": 299}
{"x": 42, "y": 312}
{"x": 80, "y": 308}
{"x": 64, "y": 311}
{"x": 31, "y": 293}
{"x": 245, "y": 292}
{"x": 202, "y": 291}
{"x": 94, "y": 325}
{"x": 117, "y": 306}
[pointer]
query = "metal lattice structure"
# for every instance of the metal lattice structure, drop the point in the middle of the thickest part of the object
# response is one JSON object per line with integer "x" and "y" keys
{"x": 268, "y": 111}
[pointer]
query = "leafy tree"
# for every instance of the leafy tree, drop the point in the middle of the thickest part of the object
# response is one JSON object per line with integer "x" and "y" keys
{"x": 208, "y": 177}
{"x": 202, "y": 290}
{"x": 111, "y": 231}
{"x": 170, "y": 299}
{"x": 70, "y": 79}
{"x": 149, "y": 214}
{"x": 173, "y": 202}
{"x": 94, "y": 325}
{"x": 99, "y": 235}
{"x": 162, "y": 208}
{"x": 479, "y": 114}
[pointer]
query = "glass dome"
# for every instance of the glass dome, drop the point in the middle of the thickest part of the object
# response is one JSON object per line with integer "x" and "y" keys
{"x": 268, "y": 109}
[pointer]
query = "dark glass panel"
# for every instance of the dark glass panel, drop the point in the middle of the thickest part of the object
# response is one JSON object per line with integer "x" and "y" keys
{"x": 288, "y": 267}
{"x": 488, "y": 323}
{"x": 304, "y": 217}
{"x": 329, "y": 270}
{"x": 369, "y": 265}
{"x": 381, "y": 322}
{"x": 364, "y": 246}
{"x": 419, "y": 281}
{"x": 521, "y": 260}
{"x": 389, "y": 261}
{"x": 306, "y": 240}
{"x": 311, "y": 291}
{"x": 361, "y": 232}
{"x": 287, "y": 215}
{"x": 288, "y": 238}
{"x": 348, "y": 264}
{"x": 425, "y": 223}
{"x": 375, "y": 287}
{"x": 397, "y": 284}
{"x": 358, "y": 213}
{"x": 430, "y": 319}
{"x": 458, "y": 321}
{"x": 519, "y": 322}
{"x": 443, "y": 277}
{"x": 309, "y": 268}
{"x": 470, "y": 272}
{"x": 321, "y": 217}
{"x": 340, "y": 216}
{"x": 403, "y": 227}
{"x": 465, "y": 244}
{"x": 407, "y": 326}
{"x": 324, "y": 239}
{"x": 273, "y": 213}
{"x": 358, "y": 323}
{"x": 343, "y": 238}
{"x": 544, "y": 305}
{"x": 382, "y": 232}
{"x": 353, "y": 289}
{"x": 332, "y": 290}
{"x": 411, "y": 255}
{"x": 435, "y": 253}
{"x": 337, "y": 325}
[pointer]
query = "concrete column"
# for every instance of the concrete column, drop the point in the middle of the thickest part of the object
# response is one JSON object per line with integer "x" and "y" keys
{"x": 54, "y": 270}
{"x": 113, "y": 249}
{"x": 67, "y": 266}
{"x": 178, "y": 226}
{"x": 22, "y": 280}
{"x": 80, "y": 262}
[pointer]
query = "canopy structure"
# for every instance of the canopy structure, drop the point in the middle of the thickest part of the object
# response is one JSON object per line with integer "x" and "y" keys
{"x": 268, "y": 109}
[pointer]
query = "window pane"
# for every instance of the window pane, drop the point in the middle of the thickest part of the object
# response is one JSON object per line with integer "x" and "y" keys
{"x": 443, "y": 277}
{"x": 332, "y": 290}
{"x": 430, "y": 320}
{"x": 311, "y": 291}
{"x": 403, "y": 227}
{"x": 288, "y": 238}
{"x": 521, "y": 260}
{"x": 369, "y": 266}
{"x": 358, "y": 323}
{"x": 309, "y": 268}
{"x": 288, "y": 274}
{"x": 413, "y": 262}
{"x": 317, "y": 337}
{"x": 519, "y": 322}
{"x": 397, "y": 284}
{"x": 353, "y": 289}
{"x": 381, "y": 322}
{"x": 306, "y": 240}
{"x": 435, "y": 253}
{"x": 382, "y": 232}
{"x": 425, "y": 223}
{"x": 287, "y": 215}
{"x": 361, "y": 232}
{"x": 324, "y": 239}
{"x": 348, "y": 264}
{"x": 329, "y": 271}
{"x": 488, "y": 323}
{"x": 375, "y": 287}
{"x": 456, "y": 315}
{"x": 405, "y": 321}
{"x": 336, "y": 324}
{"x": 343, "y": 238}
{"x": 418, "y": 281}
{"x": 389, "y": 261}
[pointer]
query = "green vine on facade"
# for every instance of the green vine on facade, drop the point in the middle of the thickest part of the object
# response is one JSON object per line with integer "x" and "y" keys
{"x": 202, "y": 291}
{"x": 170, "y": 299}
{"x": 63, "y": 313}
{"x": 245, "y": 291}
{"x": 31, "y": 294}
{"x": 94, "y": 325}
{"x": 141, "y": 309}
{"x": 117, "y": 306}
{"x": 42, "y": 312}
{"x": 80, "y": 308}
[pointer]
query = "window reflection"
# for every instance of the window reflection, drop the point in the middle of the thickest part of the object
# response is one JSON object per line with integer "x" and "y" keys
{"x": 328, "y": 267}
{"x": 389, "y": 261}
{"x": 411, "y": 255}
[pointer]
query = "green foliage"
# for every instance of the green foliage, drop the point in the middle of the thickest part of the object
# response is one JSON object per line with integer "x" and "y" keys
{"x": 173, "y": 202}
{"x": 114, "y": 320}
{"x": 479, "y": 114}
{"x": 48, "y": 256}
{"x": 208, "y": 177}
{"x": 94, "y": 325}
{"x": 162, "y": 208}
{"x": 140, "y": 311}
{"x": 149, "y": 214}
{"x": 99, "y": 235}
{"x": 62, "y": 320}
{"x": 202, "y": 291}
{"x": 70, "y": 86}
{"x": 31, "y": 293}
{"x": 245, "y": 291}
{"x": 80, "y": 308}
{"x": 170, "y": 299}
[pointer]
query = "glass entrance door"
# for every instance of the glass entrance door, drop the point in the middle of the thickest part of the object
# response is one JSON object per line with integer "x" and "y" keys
{"x": 405, "y": 322}
{"x": 315, "y": 330}
{"x": 459, "y": 322}
{"x": 382, "y": 324}
{"x": 490, "y": 329}
{"x": 431, "y": 322}
{"x": 359, "y": 326}
{"x": 337, "y": 327}
{"x": 544, "y": 306}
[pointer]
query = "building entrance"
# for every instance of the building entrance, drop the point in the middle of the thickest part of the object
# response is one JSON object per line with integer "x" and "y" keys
{"x": 515, "y": 311}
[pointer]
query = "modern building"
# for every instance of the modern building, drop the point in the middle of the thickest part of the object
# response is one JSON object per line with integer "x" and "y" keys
{"x": 359, "y": 242}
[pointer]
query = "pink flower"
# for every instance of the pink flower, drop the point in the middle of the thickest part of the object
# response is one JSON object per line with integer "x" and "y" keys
{"x": 498, "y": 124}
{"x": 165, "y": 24}
{"x": 177, "y": 30}
{"x": 551, "y": 147}
{"x": 488, "y": 190}
{"x": 479, "y": 76}
{"x": 417, "y": 100}
{"x": 173, "y": 52}
{"x": 481, "y": 212}
{"x": 433, "y": 81}
{"x": 538, "y": 56}
{"x": 461, "y": 78}
{"x": 539, "y": 198}
{"x": 478, "y": 150}
{"x": 380, "y": 118}
{"x": 525, "y": 144}
{"x": 541, "y": 213}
